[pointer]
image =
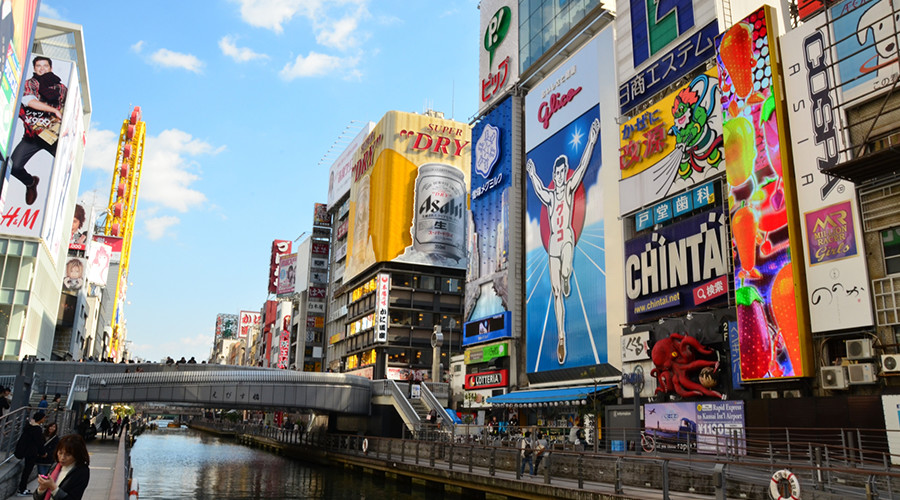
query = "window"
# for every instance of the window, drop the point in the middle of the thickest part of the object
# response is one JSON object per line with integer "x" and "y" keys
{"x": 890, "y": 242}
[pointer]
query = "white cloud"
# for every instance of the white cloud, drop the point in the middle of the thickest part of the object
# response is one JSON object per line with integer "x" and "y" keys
{"x": 137, "y": 47}
{"x": 47, "y": 10}
{"x": 167, "y": 172}
{"x": 100, "y": 149}
{"x": 171, "y": 59}
{"x": 316, "y": 64}
{"x": 156, "y": 227}
{"x": 334, "y": 22}
{"x": 239, "y": 54}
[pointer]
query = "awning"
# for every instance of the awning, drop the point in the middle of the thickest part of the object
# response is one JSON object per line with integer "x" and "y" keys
{"x": 547, "y": 397}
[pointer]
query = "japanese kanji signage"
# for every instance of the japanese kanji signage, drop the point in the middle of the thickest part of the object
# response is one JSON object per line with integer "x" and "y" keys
{"x": 678, "y": 267}
{"x": 635, "y": 347}
{"x": 693, "y": 51}
{"x": 677, "y": 206}
{"x": 382, "y": 294}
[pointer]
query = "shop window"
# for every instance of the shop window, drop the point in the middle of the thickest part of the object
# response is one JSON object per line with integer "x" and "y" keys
{"x": 401, "y": 280}
{"x": 452, "y": 285}
{"x": 890, "y": 242}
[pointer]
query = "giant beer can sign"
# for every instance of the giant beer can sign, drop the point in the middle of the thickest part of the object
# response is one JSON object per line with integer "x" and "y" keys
{"x": 440, "y": 211}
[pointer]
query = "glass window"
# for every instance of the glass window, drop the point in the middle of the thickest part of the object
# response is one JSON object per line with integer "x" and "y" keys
{"x": 401, "y": 280}
{"x": 10, "y": 272}
{"x": 426, "y": 282}
{"x": 890, "y": 242}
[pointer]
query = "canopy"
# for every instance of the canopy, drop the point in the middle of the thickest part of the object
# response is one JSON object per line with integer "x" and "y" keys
{"x": 542, "y": 397}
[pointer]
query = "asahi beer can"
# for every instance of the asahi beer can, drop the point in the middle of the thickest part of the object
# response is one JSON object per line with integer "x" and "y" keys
{"x": 439, "y": 227}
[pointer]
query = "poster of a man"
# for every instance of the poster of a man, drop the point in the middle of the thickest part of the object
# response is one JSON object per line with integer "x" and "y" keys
{"x": 79, "y": 236}
{"x": 41, "y": 114}
{"x": 558, "y": 197}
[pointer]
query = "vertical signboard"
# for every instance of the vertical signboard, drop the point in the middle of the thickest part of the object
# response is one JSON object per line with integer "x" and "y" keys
{"x": 488, "y": 247}
{"x": 226, "y": 326}
{"x": 771, "y": 302}
{"x": 287, "y": 274}
{"x": 16, "y": 33}
{"x": 564, "y": 236}
{"x": 382, "y": 299}
{"x": 43, "y": 153}
{"x": 283, "y": 330}
{"x": 279, "y": 248}
{"x": 409, "y": 196}
{"x": 339, "y": 176}
{"x": 248, "y": 321}
{"x": 499, "y": 53}
{"x": 321, "y": 217}
{"x": 99, "y": 255}
{"x": 836, "y": 272}
{"x": 673, "y": 145}
{"x": 659, "y": 42}
{"x": 76, "y": 270}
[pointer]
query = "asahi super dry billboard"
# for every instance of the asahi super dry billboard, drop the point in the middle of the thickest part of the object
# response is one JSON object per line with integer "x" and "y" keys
{"x": 409, "y": 196}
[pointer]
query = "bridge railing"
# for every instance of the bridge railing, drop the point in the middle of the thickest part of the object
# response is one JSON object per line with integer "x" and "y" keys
{"x": 433, "y": 404}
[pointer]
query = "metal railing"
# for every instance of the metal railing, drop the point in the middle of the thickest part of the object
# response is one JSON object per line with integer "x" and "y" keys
{"x": 402, "y": 404}
{"x": 433, "y": 404}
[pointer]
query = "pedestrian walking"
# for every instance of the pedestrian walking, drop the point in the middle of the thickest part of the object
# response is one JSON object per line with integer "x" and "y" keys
{"x": 29, "y": 448}
{"x": 527, "y": 450}
{"x": 540, "y": 451}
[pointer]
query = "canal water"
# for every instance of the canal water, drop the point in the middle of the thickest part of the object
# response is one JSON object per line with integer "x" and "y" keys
{"x": 186, "y": 464}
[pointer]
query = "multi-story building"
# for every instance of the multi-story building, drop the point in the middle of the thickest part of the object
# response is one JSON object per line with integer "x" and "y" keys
{"x": 40, "y": 196}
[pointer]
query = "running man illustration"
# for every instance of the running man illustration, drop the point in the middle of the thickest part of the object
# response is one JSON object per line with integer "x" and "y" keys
{"x": 561, "y": 244}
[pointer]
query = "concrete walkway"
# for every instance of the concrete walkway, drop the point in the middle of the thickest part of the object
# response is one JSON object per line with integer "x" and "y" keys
{"x": 103, "y": 462}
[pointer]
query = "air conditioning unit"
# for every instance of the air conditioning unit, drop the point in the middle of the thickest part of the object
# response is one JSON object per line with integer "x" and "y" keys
{"x": 768, "y": 395}
{"x": 890, "y": 363}
{"x": 834, "y": 377}
{"x": 793, "y": 393}
{"x": 862, "y": 373}
{"x": 859, "y": 349}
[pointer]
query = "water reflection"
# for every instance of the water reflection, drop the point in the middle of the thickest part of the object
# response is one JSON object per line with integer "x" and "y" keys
{"x": 181, "y": 463}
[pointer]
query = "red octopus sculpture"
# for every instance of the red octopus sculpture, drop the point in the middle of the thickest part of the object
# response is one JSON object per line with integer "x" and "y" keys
{"x": 675, "y": 360}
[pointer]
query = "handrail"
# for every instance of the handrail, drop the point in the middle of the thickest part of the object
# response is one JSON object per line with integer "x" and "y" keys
{"x": 433, "y": 404}
{"x": 80, "y": 384}
{"x": 404, "y": 406}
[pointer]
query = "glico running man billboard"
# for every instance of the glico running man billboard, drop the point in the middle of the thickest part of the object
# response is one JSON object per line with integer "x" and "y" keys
{"x": 837, "y": 278}
{"x": 565, "y": 264}
{"x": 488, "y": 235}
{"x": 768, "y": 251}
{"x": 409, "y": 196}
{"x": 673, "y": 145}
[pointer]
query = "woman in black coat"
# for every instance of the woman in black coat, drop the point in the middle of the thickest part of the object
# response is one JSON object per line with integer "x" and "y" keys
{"x": 71, "y": 475}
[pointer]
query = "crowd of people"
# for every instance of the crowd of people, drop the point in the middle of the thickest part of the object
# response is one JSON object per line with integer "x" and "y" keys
{"x": 62, "y": 463}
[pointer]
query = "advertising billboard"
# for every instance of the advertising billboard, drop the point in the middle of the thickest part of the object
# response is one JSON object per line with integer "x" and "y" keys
{"x": 659, "y": 42}
{"x": 891, "y": 406}
{"x": 99, "y": 256}
{"x": 865, "y": 37}
{"x": 488, "y": 242}
{"x": 485, "y": 380}
{"x": 768, "y": 251}
{"x": 678, "y": 267}
{"x": 114, "y": 243}
{"x": 76, "y": 269}
{"x": 708, "y": 427}
{"x": 226, "y": 326}
{"x": 486, "y": 353}
{"x": 673, "y": 145}
{"x": 43, "y": 154}
{"x": 248, "y": 321}
{"x": 287, "y": 274}
{"x": 565, "y": 264}
{"x": 837, "y": 278}
{"x": 16, "y": 33}
{"x": 498, "y": 56}
{"x": 340, "y": 175}
{"x": 282, "y": 332}
{"x": 409, "y": 196}
{"x": 279, "y": 248}
{"x": 321, "y": 217}
{"x": 486, "y": 329}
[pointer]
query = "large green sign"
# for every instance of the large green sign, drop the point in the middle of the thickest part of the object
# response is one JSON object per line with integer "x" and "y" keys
{"x": 483, "y": 354}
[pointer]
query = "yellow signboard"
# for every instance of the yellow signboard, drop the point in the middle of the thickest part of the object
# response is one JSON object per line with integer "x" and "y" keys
{"x": 409, "y": 196}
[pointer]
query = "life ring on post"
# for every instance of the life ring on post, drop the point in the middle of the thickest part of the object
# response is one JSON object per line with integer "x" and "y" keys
{"x": 775, "y": 487}
{"x": 365, "y": 446}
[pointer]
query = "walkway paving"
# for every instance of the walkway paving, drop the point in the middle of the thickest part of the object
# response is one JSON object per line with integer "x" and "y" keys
{"x": 103, "y": 462}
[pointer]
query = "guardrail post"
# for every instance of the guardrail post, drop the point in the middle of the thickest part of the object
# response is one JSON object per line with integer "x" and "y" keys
{"x": 431, "y": 457}
{"x": 470, "y": 458}
{"x": 828, "y": 466}
{"x": 771, "y": 458}
{"x": 665, "y": 479}
{"x": 844, "y": 445}
{"x": 450, "y": 458}
{"x": 580, "y": 465}
{"x": 719, "y": 481}
{"x": 547, "y": 468}
{"x": 887, "y": 467}
{"x": 403, "y": 450}
{"x": 390, "y": 448}
{"x": 493, "y": 463}
{"x": 787, "y": 435}
{"x": 417, "y": 452}
{"x": 817, "y": 463}
{"x": 618, "y": 485}
{"x": 518, "y": 465}
{"x": 862, "y": 457}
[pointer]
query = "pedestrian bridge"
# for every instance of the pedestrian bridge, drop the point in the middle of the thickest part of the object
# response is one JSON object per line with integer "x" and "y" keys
{"x": 236, "y": 388}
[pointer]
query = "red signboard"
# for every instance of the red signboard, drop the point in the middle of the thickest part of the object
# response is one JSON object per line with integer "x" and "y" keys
{"x": 485, "y": 380}
{"x": 342, "y": 229}
{"x": 279, "y": 248}
{"x": 316, "y": 292}
{"x": 711, "y": 290}
{"x": 320, "y": 248}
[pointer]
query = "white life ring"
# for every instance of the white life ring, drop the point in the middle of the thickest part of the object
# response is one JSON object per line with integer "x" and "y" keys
{"x": 365, "y": 445}
{"x": 791, "y": 479}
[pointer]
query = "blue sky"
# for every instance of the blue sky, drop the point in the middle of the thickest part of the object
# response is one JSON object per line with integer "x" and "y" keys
{"x": 242, "y": 99}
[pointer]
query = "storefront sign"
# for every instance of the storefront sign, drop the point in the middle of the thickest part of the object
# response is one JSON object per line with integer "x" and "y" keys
{"x": 635, "y": 347}
{"x": 707, "y": 427}
{"x": 319, "y": 248}
{"x": 316, "y": 292}
{"x": 484, "y": 380}
{"x": 315, "y": 307}
{"x": 483, "y": 354}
